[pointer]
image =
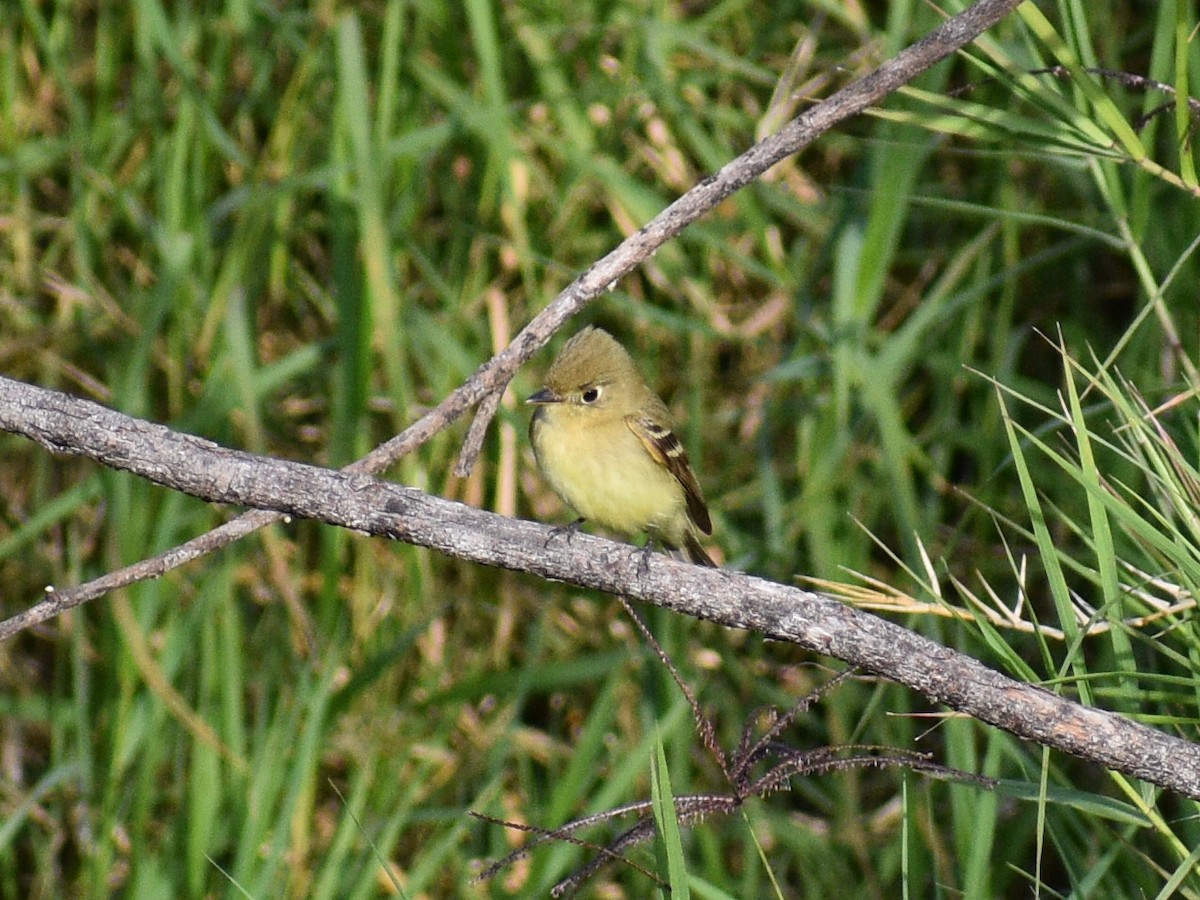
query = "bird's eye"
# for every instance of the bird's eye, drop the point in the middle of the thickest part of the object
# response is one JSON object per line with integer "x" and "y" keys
{"x": 591, "y": 395}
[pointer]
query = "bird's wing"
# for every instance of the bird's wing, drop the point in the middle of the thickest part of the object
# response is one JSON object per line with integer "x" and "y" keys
{"x": 662, "y": 444}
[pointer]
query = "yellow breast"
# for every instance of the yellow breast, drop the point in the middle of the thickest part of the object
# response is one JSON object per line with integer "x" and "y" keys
{"x": 604, "y": 473}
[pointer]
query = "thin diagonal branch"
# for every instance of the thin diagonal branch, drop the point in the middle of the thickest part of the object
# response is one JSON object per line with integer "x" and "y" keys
{"x": 493, "y": 376}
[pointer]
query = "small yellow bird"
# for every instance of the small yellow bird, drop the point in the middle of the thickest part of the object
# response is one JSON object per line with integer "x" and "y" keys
{"x": 604, "y": 442}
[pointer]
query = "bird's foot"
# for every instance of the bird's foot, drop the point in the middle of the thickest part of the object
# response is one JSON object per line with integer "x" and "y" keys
{"x": 644, "y": 553}
{"x": 559, "y": 531}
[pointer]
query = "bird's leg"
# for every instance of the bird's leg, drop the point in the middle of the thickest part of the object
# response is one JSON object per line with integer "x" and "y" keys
{"x": 644, "y": 562}
{"x": 647, "y": 550}
{"x": 559, "y": 530}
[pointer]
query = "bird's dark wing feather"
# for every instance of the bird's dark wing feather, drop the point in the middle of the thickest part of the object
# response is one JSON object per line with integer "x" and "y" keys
{"x": 662, "y": 444}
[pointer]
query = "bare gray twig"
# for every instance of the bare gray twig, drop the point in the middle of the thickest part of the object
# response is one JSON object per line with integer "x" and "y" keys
{"x": 491, "y": 378}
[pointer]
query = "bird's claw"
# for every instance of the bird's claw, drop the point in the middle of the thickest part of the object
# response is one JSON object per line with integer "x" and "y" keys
{"x": 560, "y": 530}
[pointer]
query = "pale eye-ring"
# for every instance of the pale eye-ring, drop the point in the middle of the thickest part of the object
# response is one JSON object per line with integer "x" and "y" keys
{"x": 591, "y": 395}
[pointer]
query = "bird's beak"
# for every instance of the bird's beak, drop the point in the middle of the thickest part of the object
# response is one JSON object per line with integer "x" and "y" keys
{"x": 544, "y": 396}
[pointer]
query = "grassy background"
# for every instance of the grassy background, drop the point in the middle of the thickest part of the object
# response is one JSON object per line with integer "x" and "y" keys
{"x": 291, "y": 228}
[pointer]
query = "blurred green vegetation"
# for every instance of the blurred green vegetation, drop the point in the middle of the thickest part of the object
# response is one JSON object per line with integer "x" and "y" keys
{"x": 293, "y": 227}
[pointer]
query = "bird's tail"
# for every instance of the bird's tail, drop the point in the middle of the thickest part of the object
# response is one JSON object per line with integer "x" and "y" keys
{"x": 695, "y": 553}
